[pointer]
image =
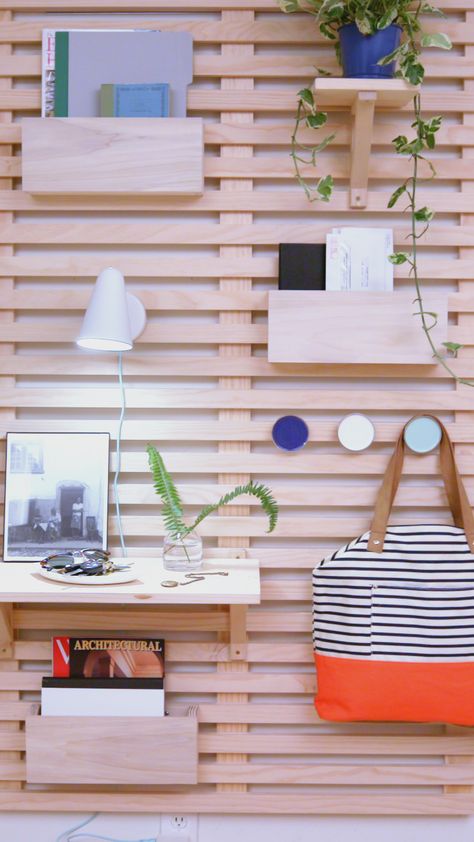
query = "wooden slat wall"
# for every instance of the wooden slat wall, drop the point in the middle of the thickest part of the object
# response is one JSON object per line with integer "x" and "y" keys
{"x": 199, "y": 386}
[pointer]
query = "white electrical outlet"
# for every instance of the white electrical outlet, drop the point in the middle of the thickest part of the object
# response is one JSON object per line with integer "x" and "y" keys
{"x": 180, "y": 827}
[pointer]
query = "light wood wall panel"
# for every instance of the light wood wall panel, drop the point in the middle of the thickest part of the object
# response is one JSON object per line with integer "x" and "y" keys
{"x": 200, "y": 386}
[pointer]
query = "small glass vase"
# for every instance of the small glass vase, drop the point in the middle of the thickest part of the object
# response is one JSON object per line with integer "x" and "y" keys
{"x": 182, "y": 553}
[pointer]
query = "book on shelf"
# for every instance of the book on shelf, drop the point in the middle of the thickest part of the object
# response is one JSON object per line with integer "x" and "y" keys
{"x": 105, "y": 676}
{"x": 146, "y": 100}
{"x": 85, "y": 59}
{"x": 102, "y": 697}
{"x": 301, "y": 266}
{"x": 92, "y": 657}
{"x": 357, "y": 259}
{"x": 47, "y": 72}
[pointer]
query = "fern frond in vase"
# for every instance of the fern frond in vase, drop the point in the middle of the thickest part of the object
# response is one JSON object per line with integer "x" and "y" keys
{"x": 173, "y": 515}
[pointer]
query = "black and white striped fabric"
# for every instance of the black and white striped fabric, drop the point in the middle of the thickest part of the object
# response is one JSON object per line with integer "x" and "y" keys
{"x": 414, "y": 602}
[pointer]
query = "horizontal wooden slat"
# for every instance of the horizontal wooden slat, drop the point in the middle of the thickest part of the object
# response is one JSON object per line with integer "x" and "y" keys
{"x": 273, "y": 168}
{"x": 171, "y": 621}
{"x": 202, "y": 234}
{"x": 242, "y": 803}
{"x": 340, "y": 463}
{"x": 270, "y": 101}
{"x": 253, "y": 803}
{"x": 214, "y": 431}
{"x": 157, "y": 334}
{"x": 327, "y": 774}
{"x": 257, "y": 66}
{"x": 136, "y": 366}
{"x": 256, "y": 399}
{"x": 276, "y": 169}
{"x": 271, "y": 201}
{"x": 276, "y": 30}
{"x": 441, "y": 269}
{"x": 346, "y": 744}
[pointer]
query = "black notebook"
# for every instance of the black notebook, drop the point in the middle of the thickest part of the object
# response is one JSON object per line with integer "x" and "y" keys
{"x": 302, "y": 266}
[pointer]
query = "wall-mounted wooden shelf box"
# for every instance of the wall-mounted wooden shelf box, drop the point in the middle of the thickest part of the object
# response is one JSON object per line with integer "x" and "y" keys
{"x": 113, "y": 155}
{"x": 122, "y": 750}
{"x": 362, "y": 96}
{"x": 351, "y": 327}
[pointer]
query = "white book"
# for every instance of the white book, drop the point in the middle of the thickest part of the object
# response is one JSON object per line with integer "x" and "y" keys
{"x": 338, "y": 263}
{"x": 47, "y": 72}
{"x": 97, "y": 697}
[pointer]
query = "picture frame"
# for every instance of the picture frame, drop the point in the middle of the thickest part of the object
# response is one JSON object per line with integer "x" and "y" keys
{"x": 56, "y": 493}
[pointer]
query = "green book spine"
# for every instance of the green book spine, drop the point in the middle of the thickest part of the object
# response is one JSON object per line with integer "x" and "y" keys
{"x": 61, "y": 91}
{"x": 107, "y": 100}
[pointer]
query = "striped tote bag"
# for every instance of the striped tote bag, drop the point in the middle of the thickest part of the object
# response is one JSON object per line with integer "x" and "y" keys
{"x": 393, "y": 621}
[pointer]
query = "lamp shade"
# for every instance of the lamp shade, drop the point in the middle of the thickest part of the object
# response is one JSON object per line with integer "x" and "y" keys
{"x": 113, "y": 318}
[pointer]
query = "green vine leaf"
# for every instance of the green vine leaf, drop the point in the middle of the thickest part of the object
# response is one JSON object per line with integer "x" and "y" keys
{"x": 306, "y": 96}
{"x": 453, "y": 347}
{"x": 393, "y": 56}
{"x": 398, "y": 257}
{"x": 315, "y": 121}
{"x": 322, "y": 72}
{"x": 436, "y": 39}
{"x": 396, "y": 195}
{"x": 389, "y": 17}
{"x": 289, "y": 6}
{"x": 327, "y": 32}
{"x": 325, "y": 187}
{"x": 428, "y": 9}
{"x": 424, "y": 215}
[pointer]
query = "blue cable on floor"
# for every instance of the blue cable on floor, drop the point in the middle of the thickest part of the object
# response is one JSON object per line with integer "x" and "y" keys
{"x": 67, "y": 837}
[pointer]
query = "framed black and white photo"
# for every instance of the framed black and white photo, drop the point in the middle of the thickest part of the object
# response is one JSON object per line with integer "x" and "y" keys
{"x": 56, "y": 493}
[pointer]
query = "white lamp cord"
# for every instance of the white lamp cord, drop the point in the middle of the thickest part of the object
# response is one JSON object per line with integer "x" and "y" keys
{"x": 119, "y": 455}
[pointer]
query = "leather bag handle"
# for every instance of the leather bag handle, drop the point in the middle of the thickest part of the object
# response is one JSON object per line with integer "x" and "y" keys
{"x": 455, "y": 491}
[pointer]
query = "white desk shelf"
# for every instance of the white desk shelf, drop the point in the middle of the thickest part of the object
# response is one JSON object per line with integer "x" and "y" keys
{"x": 362, "y": 96}
{"x": 21, "y": 583}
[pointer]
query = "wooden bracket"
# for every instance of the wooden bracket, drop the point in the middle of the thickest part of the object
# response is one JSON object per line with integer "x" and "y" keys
{"x": 238, "y": 632}
{"x": 363, "y": 122}
{"x": 6, "y": 631}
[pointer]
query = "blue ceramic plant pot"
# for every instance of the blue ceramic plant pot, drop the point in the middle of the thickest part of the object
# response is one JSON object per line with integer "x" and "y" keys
{"x": 360, "y": 53}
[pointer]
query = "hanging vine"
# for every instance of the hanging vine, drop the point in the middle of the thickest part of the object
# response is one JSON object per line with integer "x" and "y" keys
{"x": 371, "y": 16}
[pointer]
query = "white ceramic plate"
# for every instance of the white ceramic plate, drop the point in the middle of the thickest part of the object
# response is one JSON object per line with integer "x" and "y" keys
{"x": 116, "y": 578}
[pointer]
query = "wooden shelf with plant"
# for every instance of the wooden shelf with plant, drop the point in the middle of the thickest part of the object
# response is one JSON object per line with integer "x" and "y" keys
{"x": 379, "y": 39}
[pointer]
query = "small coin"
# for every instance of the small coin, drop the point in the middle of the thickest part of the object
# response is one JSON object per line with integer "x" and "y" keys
{"x": 169, "y": 583}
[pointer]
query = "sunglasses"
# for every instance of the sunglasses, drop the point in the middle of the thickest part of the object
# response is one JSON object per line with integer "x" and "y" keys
{"x": 82, "y": 562}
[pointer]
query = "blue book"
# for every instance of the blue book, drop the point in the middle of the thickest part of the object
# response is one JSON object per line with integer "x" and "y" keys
{"x": 147, "y": 100}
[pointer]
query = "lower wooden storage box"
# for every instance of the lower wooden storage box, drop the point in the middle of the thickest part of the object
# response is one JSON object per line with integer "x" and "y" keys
{"x": 112, "y": 750}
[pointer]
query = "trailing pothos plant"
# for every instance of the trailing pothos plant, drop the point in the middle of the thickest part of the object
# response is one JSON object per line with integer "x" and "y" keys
{"x": 371, "y": 16}
{"x": 173, "y": 509}
{"x": 424, "y": 140}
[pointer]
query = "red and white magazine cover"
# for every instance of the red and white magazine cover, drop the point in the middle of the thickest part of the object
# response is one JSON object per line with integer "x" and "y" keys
{"x": 61, "y": 657}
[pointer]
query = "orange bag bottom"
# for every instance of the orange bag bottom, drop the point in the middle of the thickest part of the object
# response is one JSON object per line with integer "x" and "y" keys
{"x": 356, "y": 690}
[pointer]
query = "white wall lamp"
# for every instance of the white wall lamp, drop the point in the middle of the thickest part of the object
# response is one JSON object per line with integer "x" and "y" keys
{"x": 113, "y": 320}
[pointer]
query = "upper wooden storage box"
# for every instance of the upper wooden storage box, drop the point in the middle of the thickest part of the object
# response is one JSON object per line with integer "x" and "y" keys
{"x": 113, "y": 155}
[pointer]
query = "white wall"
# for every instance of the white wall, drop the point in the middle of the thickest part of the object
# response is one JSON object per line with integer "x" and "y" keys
{"x": 46, "y": 827}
